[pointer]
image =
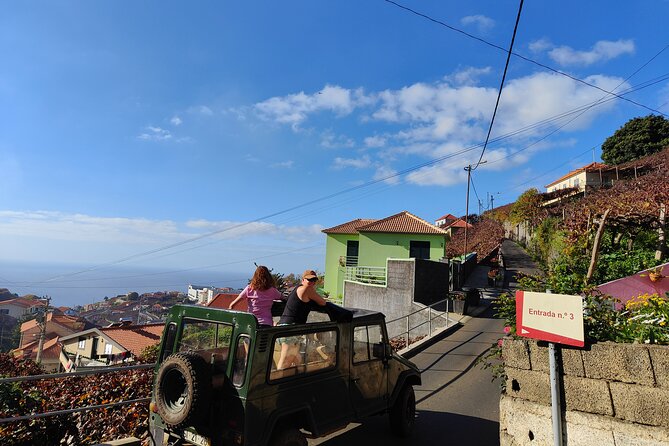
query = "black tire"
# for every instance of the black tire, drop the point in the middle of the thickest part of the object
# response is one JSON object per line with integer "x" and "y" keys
{"x": 288, "y": 437}
{"x": 403, "y": 413}
{"x": 183, "y": 388}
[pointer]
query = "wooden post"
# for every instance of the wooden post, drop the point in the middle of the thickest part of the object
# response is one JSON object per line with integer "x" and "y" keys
{"x": 662, "y": 234}
{"x": 595, "y": 246}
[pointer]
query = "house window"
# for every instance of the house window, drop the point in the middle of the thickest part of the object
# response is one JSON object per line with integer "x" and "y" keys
{"x": 419, "y": 250}
{"x": 108, "y": 349}
{"x": 82, "y": 343}
{"x": 352, "y": 247}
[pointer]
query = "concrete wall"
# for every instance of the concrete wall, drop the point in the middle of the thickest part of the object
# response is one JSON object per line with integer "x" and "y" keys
{"x": 612, "y": 395}
{"x": 397, "y": 298}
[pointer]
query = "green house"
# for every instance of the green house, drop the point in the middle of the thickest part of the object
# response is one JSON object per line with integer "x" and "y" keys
{"x": 360, "y": 248}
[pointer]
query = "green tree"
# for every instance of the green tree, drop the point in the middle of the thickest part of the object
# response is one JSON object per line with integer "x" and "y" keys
{"x": 637, "y": 138}
{"x": 133, "y": 295}
{"x": 527, "y": 207}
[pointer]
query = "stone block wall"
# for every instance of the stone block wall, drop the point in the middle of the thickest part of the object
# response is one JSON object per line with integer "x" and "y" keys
{"x": 612, "y": 394}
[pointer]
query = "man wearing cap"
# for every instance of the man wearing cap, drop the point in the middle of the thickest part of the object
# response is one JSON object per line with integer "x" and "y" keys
{"x": 297, "y": 309}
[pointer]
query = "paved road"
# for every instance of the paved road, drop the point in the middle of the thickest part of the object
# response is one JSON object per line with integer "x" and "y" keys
{"x": 457, "y": 403}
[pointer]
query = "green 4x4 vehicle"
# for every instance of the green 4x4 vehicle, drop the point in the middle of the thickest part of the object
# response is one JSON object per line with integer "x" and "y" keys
{"x": 220, "y": 378}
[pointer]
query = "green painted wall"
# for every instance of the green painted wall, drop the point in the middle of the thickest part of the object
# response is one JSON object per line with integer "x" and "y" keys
{"x": 335, "y": 247}
{"x": 376, "y": 247}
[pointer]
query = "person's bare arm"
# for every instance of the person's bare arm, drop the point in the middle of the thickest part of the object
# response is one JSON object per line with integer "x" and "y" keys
{"x": 237, "y": 299}
{"x": 313, "y": 295}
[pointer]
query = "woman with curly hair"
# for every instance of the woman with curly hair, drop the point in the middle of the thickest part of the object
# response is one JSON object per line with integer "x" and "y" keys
{"x": 260, "y": 293}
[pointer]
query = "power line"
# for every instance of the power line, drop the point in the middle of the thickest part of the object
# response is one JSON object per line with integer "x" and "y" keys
{"x": 527, "y": 59}
{"x": 501, "y": 85}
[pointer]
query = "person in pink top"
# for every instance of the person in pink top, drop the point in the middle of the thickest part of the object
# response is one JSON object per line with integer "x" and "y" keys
{"x": 260, "y": 294}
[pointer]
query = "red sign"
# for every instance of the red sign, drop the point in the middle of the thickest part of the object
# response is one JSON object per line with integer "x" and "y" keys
{"x": 550, "y": 317}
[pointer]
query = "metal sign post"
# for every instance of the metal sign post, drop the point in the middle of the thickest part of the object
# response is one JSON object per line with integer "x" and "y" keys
{"x": 556, "y": 318}
{"x": 556, "y": 404}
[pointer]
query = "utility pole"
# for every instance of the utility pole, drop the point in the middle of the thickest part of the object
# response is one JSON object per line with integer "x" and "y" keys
{"x": 469, "y": 175}
{"x": 42, "y": 330}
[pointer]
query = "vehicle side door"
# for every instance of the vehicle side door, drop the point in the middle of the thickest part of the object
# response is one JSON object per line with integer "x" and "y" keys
{"x": 369, "y": 374}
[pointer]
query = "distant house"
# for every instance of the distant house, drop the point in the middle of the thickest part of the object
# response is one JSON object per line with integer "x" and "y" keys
{"x": 117, "y": 343}
{"x": 367, "y": 243}
{"x": 451, "y": 224}
{"x": 593, "y": 174}
{"x": 20, "y": 306}
{"x": 203, "y": 294}
{"x": 57, "y": 325}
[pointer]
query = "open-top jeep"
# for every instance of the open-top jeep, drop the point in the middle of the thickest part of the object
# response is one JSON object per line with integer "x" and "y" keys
{"x": 218, "y": 380}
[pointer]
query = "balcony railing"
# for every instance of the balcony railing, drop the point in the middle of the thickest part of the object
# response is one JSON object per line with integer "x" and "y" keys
{"x": 348, "y": 260}
{"x": 372, "y": 275}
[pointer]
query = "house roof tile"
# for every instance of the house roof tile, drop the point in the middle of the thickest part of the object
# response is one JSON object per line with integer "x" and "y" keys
{"x": 459, "y": 223}
{"x": 350, "y": 227}
{"x": 135, "y": 338}
{"x": 402, "y": 223}
{"x": 448, "y": 217}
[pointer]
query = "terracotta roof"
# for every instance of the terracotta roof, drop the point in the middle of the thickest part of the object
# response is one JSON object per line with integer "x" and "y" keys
{"x": 459, "y": 223}
{"x": 350, "y": 227}
{"x": 135, "y": 338}
{"x": 22, "y": 302}
{"x": 72, "y": 323}
{"x": 447, "y": 217}
{"x": 402, "y": 223}
{"x": 587, "y": 168}
{"x": 223, "y": 300}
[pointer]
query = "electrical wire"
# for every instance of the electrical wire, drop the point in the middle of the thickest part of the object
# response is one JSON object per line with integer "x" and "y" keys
{"x": 501, "y": 85}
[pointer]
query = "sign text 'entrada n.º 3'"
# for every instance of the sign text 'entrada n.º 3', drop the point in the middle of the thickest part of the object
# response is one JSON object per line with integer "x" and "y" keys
{"x": 550, "y": 317}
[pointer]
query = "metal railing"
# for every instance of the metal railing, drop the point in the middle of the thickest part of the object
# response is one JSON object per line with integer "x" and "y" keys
{"x": 348, "y": 260}
{"x": 371, "y": 275}
{"x": 434, "y": 316}
{"x": 71, "y": 374}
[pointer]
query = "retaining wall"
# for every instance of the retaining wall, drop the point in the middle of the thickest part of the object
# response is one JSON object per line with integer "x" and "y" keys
{"x": 612, "y": 394}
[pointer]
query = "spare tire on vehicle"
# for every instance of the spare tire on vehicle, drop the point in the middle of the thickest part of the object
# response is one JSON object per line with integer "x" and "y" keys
{"x": 183, "y": 388}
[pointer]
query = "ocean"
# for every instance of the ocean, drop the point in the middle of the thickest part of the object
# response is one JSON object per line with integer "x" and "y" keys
{"x": 72, "y": 285}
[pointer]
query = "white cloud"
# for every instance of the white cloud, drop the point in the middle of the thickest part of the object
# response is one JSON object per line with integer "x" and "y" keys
{"x": 200, "y": 110}
{"x": 541, "y": 45}
{"x": 601, "y": 52}
{"x": 155, "y": 134}
{"x": 356, "y": 163}
{"x": 440, "y": 174}
{"x": 331, "y": 141}
{"x": 283, "y": 164}
{"x": 375, "y": 141}
{"x": 467, "y": 76}
{"x": 62, "y": 226}
{"x": 294, "y": 109}
{"x": 387, "y": 174}
{"x": 135, "y": 232}
{"x": 442, "y": 119}
{"x": 176, "y": 121}
{"x": 239, "y": 230}
{"x": 482, "y": 22}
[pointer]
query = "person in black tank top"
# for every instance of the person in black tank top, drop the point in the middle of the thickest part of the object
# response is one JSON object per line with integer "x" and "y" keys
{"x": 297, "y": 310}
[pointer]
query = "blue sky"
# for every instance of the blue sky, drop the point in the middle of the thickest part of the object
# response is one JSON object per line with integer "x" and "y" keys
{"x": 127, "y": 128}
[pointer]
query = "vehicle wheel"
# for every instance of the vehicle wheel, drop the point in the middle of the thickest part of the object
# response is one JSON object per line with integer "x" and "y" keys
{"x": 183, "y": 387}
{"x": 403, "y": 413}
{"x": 289, "y": 437}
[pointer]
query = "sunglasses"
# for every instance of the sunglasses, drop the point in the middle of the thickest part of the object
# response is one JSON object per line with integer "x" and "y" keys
{"x": 313, "y": 279}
